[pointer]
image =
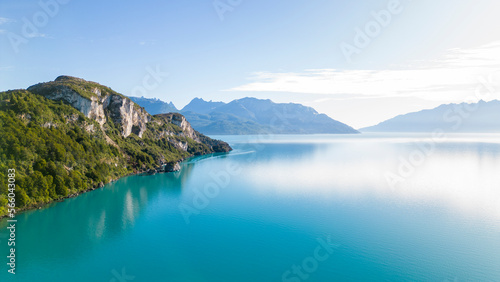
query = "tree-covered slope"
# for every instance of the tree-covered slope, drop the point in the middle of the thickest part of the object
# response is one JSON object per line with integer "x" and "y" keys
{"x": 58, "y": 151}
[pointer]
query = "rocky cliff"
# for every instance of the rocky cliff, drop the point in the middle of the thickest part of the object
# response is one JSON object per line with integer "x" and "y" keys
{"x": 104, "y": 105}
{"x": 96, "y": 102}
{"x": 132, "y": 118}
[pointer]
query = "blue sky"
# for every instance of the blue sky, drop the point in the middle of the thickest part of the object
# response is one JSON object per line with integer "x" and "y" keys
{"x": 427, "y": 53}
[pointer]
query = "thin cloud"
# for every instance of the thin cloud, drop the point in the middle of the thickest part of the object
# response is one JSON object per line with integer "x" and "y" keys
{"x": 39, "y": 35}
{"x": 147, "y": 42}
{"x": 454, "y": 77}
{"x": 6, "y": 20}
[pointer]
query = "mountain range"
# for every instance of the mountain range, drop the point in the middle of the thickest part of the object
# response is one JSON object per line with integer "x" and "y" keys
{"x": 256, "y": 116}
{"x": 465, "y": 117}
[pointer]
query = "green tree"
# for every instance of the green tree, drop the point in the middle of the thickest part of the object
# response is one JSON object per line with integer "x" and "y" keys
{"x": 22, "y": 198}
{"x": 60, "y": 184}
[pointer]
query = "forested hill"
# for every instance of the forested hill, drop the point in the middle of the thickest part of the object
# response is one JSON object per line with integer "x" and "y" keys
{"x": 70, "y": 135}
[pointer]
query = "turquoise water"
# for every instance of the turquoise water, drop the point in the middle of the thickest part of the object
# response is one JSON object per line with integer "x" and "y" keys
{"x": 339, "y": 208}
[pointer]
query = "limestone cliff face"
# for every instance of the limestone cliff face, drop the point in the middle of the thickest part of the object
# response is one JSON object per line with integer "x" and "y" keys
{"x": 132, "y": 118}
{"x": 91, "y": 108}
{"x": 181, "y": 121}
{"x": 96, "y": 102}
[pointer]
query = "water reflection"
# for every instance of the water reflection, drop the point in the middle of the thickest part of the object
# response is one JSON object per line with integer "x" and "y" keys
{"x": 461, "y": 175}
{"x": 96, "y": 216}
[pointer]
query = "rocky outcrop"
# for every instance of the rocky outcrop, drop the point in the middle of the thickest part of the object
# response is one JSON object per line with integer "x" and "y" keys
{"x": 91, "y": 108}
{"x": 181, "y": 121}
{"x": 96, "y": 102}
{"x": 172, "y": 166}
{"x": 131, "y": 117}
{"x": 168, "y": 167}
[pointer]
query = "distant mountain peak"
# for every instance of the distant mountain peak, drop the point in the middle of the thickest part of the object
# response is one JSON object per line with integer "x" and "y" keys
{"x": 198, "y": 105}
{"x": 250, "y": 115}
{"x": 454, "y": 117}
{"x": 155, "y": 106}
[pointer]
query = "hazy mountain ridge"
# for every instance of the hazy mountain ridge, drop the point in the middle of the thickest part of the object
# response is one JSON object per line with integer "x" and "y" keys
{"x": 254, "y": 116}
{"x": 155, "y": 106}
{"x": 473, "y": 117}
{"x": 200, "y": 106}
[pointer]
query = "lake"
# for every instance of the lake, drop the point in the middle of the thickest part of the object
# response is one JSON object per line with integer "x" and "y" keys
{"x": 370, "y": 207}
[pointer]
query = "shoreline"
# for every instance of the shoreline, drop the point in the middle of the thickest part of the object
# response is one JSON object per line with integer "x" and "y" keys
{"x": 99, "y": 186}
{"x": 62, "y": 199}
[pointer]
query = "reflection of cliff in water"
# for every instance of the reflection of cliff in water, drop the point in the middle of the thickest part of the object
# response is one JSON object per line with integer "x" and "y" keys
{"x": 101, "y": 214}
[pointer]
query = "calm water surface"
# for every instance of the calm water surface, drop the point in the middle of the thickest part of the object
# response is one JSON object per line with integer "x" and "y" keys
{"x": 390, "y": 207}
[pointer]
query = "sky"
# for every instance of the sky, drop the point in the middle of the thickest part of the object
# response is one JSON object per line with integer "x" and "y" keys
{"x": 360, "y": 62}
